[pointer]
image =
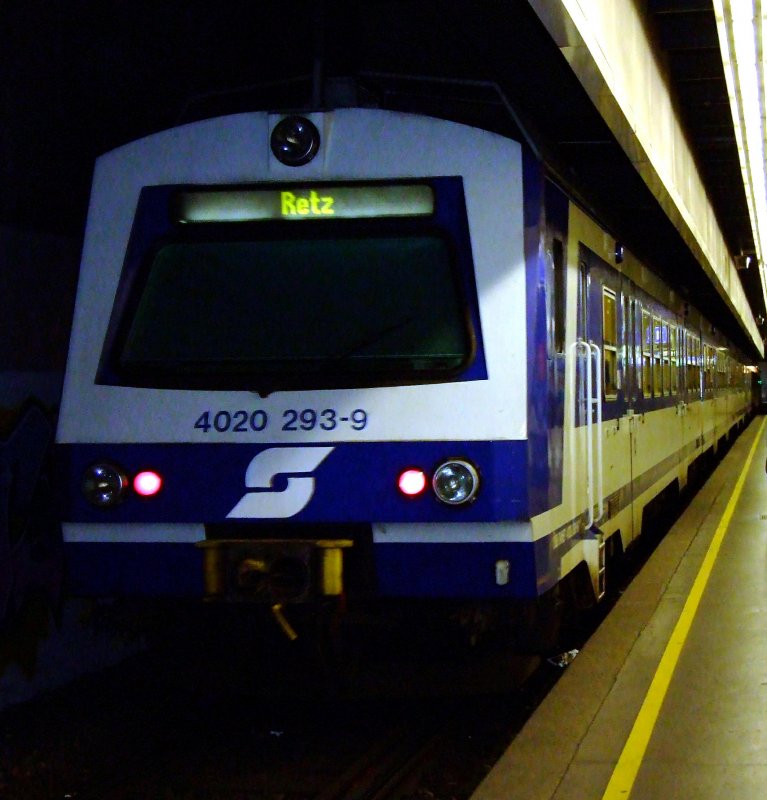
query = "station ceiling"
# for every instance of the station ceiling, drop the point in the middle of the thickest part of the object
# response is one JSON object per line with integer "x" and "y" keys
{"x": 80, "y": 78}
{"x": 687, "y": 38}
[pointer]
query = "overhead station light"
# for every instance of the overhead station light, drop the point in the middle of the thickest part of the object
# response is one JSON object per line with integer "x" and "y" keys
{"x": 742, "y": 25}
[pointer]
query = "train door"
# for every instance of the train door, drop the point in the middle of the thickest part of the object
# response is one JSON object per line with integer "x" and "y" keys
{"x": 692, "y": 410}
{"x": 678, "y": 378}
{"x": 603, "y": 380}
{"x": 633, "y": 396}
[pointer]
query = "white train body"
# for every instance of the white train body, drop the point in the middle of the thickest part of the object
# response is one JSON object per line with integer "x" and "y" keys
{"x": 294, "y": 454}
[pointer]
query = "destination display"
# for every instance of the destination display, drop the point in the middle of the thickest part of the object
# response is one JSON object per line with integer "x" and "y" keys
{"x": 307, "y": 202}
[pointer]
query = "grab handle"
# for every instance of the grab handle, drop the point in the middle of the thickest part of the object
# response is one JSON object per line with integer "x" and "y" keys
{"x": 597, "y": 402}
{"x": 583, "y": 356}
{"x": 590, "y": 357}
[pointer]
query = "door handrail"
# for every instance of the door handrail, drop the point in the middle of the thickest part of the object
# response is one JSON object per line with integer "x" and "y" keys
{"x": 590, "y": 356}
{"x": 586, "y": 361}
{"x": 597, "y": 400}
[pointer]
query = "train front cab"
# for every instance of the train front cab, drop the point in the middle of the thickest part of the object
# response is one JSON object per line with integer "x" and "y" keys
{"x": 318, "y": 456}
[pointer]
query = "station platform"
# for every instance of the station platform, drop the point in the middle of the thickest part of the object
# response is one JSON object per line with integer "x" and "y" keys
{"x": 668, "y": 698}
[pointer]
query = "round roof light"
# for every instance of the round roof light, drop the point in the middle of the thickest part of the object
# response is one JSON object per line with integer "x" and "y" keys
{"x": 295, "y": 141}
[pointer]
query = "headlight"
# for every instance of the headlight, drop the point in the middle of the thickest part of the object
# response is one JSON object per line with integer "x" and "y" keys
{"x": 104, "y": 485}
{"x": 455, "y": 482}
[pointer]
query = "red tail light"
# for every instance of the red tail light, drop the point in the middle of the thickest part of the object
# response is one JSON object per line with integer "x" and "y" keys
{"x": 147, "y": 483}
{"x": 412, "y": 482}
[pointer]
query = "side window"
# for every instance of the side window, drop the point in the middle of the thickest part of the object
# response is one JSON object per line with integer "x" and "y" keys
{"x": 696, "y": 358}
{"x": 647, "y": 336}
{"x": 690, "y": 362}
{"x": 716, "y": 362}
{"x": 699, "y": 365}
{"x": 673, "y": 344}
{"x": 721, "y": 366}
{"x": 609, "y": 343}
{"x": 697, "y": 361}
{"x": 558, "y": 259}
{"x": 682, "y": 344}
{"x": 716, "y": 368}
{"x": 657, "y": 337}
{"x": 665, "y": 340}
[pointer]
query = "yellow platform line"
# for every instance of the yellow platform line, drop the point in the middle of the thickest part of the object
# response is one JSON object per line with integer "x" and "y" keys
{"x": 625, "y": 772}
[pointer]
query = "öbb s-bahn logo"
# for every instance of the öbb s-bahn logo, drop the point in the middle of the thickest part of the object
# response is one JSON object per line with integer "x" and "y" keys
{"x": 263, "y": 501}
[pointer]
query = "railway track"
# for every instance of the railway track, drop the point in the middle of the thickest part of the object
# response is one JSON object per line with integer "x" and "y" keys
{"x": 166, "y": 725}
{"x": 147, "y": 730}
{"x": 392, "y": 767}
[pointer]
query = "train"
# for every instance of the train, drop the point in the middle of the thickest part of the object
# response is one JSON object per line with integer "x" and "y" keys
{"x": 362, "y": 359}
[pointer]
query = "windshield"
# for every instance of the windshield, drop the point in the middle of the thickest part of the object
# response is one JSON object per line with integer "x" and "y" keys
{"x": 291, "y": 312}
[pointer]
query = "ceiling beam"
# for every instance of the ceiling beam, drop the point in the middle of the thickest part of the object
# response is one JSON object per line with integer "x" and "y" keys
{"x": 609, "y": 48}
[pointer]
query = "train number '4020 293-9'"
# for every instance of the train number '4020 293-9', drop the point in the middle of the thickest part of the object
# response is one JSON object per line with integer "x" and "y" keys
{"x": 307, "y": 419}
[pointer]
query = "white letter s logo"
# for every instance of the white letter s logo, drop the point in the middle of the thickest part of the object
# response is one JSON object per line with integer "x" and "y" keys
{"x": 264, "y": 468}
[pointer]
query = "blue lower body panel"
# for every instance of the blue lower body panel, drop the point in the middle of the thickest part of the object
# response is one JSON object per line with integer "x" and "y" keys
{"x": 461, "y": 570}
{"x": 419, "y": 570}
{"x": 104, "y": 569}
